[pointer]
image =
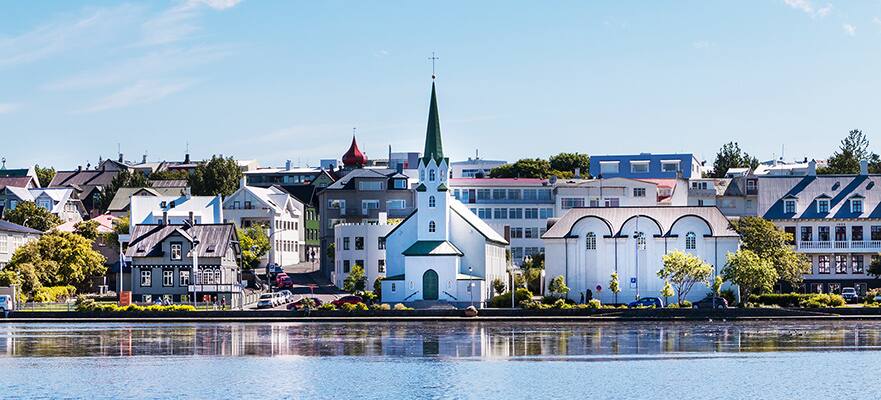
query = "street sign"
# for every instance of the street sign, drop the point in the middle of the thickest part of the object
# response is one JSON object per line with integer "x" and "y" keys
{"x": 632, "y": 282}
{"x": 125, "y": 298}
{"x": 599, "y": 288}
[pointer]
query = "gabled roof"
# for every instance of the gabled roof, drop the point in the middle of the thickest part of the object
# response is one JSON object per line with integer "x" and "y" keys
{"x": 478, "y": 224}
{"x": 6, "y": 226}
{"x": 122, "y": 199}
{"x": 433, "y": 248}
{"x": 214, "y": 239}
{"x": 348, "y": 181}
{"x": 17, "y": 181}
{"x": 837, "y": 189}
{"x": 664, "y": 217}
{"x": 272, "y": 197}
{"x": 59, "y": 196}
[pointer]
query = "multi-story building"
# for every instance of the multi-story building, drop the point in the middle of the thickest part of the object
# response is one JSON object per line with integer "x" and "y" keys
{"x": 735, "y": 196}
{"x": 360, "y": 244}
{"x": 619, "y": 192}
{"x": 281, "y": 215}
{"x": 473, "y": 167}
{"x": 175, "y": 210}
{"x": 89, "y": 183}
{"x": 63, "y": 202}
{"x": 645, "y": 166}
{"x": 13, "y": 236}
{"x": 518, "y": 209}
{"x": 835, "y": 221}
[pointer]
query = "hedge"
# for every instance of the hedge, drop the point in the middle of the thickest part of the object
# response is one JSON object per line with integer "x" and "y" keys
{"x": 813, "y": 300}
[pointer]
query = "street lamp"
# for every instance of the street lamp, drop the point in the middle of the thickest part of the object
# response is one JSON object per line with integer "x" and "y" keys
{"x": 189, "y": 225}
{"x": 471, "y": 285}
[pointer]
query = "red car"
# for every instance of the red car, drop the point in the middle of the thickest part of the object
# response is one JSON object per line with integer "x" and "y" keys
{"x": 283, "y": 281}
{"x": 347, "y": 300}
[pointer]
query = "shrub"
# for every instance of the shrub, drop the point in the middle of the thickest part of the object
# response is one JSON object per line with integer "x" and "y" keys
{"x": 728, "y": 294}
{"x": 327, "y": 306}
{"x": 380, "y": 307}
{"x": 553, "y": 299}
{"x": 51, "y": 294}
{"x": 594, "y": 304}
{"x": 91, "y": 305}
{"x": 349, "y": 307}
{"x": 561, "y": 304}
{"x": 810, "y": 300}
{"x": 369, "y": 297}
{"x": 401, "y": 307}
{"x": 685, "y": 304}
{"x": 504, "y": 300}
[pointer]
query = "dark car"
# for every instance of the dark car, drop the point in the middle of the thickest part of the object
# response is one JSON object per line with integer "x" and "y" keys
{"x": 347, "y": 300}
{"x": 711, "y": 302}
{"x": 301, "y": 304}
{"x": 647, "y": 302}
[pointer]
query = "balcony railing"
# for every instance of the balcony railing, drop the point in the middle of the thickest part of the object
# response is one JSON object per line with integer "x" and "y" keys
{"x": 872, "y": 245}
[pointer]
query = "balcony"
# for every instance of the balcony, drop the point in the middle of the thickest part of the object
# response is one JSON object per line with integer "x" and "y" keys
{"x": 838, "y": 245}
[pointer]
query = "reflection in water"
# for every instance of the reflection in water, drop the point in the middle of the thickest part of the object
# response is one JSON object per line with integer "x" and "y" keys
{"x": 481, "y": 340}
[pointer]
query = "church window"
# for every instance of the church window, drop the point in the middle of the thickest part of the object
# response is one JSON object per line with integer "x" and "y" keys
{"x": 640, "y": 240}
{"x": 422, "y": 175}
{"x": 590, "y": 241}
{"x": 690, "y": 241}
{"x": 431, "y": 201}
{"x": 432, "y": 226}
{"x": 431, "y": 175}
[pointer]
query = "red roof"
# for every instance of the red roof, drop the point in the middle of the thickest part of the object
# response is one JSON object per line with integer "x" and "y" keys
{"x": 354, "y": 156}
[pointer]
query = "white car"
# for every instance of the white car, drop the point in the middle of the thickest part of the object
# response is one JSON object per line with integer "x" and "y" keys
{"x": 286, "y": 296}
{"x": 267, "y": 300}
{"x": 6, "y": 303}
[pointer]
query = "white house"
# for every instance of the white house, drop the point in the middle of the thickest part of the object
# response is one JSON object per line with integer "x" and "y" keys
{"x": 360, "y": 244}
{"x": 588, "y": 244}
{"x": 59, "y": 201}
{"x": 442, "y": 251}
{"x": 619, "y": 192}
{"x": 175, "y": 210}
{"x": 13, "y": 236}
{"x": 279, "y": 212}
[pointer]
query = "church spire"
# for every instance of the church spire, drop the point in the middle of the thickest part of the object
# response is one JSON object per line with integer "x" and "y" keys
{"x": 434, "y": 148}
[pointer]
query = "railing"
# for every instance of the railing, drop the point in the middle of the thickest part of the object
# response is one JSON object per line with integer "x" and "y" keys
{"x": 840, "y": 245}
{"x": 411, "y": 295}
{"x": 451, "y": 296}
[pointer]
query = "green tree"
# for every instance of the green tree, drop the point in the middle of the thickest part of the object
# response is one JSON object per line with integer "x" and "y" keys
{"x": 44, "y": 175}
{"x": 875, "y": 266}
{"x": 846, "y": 160}
{"x": 731, "y": 156}
{"x": 218, "y": 176}
{"x": 667, "y": 291}
{"x": 356, "y": 281}
{"x": 717, "y": 286}
{"x": 87, "y": 229}
{"x": 770, "y": 243}
{"x": 125, "y": 178}
{"x": 254, "y": 243}
{"x": 60, "y": 259}
{"x": 750, "y": 272}
{"x": 614, "y": 286}
{"x": 684, "y": 270}
{"x": 526, "y": 168}
{"x": 558, "y": 286}
{"x": 498, "y": 286}
{"x": 169, "y": 175}
{"x": 377, "y": 287}
{"x": 27, "y": 213}
{"x": 519, "y": 281}
{"x": 568, "y": 162}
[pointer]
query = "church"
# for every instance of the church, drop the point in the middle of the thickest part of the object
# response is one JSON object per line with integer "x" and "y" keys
{"x": 441, "y": 251}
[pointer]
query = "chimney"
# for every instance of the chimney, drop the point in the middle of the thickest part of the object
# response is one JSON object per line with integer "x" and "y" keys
{"x": 577, "y": 173}
{"x": 812, "y": 168}
{"x": 243, "y": 182}
{"x": 287, "y": 165}
{"x": 144, "y": 159}
{"x": 187, "y": 158}
{"x": 79, "y": 168}
{"x": 164, "y": 218}
{"x": 120, "y": 158}
{"x": 192, "y": 220}
{"x": 864, "y": 167}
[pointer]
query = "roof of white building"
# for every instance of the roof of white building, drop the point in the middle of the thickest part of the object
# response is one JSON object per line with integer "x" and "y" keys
{"x": 143, "y": 207}
{"x": 273, "y": 197}
{"x": 664, "y": 217}
{"x": 59, "y": 195}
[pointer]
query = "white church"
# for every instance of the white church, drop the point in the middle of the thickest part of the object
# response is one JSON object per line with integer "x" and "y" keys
{"x": 442, "y": 251}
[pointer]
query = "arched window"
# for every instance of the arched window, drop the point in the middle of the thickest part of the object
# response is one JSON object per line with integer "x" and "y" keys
{"x": 422, "y": 175}
{"x": 690, "y": 241}
{"x": 431, "y": 175}
{"x": 431, "y": 201}
{"x": 640, "y": 240}
{"x": 590, "y": 241}
{"x": 431, "y": 226}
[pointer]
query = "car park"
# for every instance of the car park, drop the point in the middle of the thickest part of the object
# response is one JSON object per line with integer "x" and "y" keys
{"x": 654, "y": 302}
{"x": 286, "y": 295}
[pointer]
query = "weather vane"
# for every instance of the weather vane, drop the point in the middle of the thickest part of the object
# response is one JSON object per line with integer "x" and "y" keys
{"x": 433, "y": 58}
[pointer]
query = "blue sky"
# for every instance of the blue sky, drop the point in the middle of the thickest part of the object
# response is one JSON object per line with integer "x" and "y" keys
{"x": 277, "y": 80}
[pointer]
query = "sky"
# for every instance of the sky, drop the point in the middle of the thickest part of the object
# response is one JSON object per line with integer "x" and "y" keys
{"x": 289, "y": 80}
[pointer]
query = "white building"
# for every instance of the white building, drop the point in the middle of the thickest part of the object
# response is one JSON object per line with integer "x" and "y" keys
{"x": 280, "y": 213}
{"x": 474, "y": 167}
{"x": 442, "y": 251}
{"x": 516, "y": 208}
{"x": 13, "y": 236}
{"x": 619, "y": 192}
{"x": 62, "y": 202}
{"x": 360, "y": 244}
{"x": 175, "y": 210}
{"x": 588, "y": 244}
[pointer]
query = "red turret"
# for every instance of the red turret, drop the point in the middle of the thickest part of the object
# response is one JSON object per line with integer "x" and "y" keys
{"x": 354, "y": 157}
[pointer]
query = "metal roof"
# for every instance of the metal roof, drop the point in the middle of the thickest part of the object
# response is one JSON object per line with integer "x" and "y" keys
{"x": 212, "y": 237}
{"x": 664, "y": 216}
{"x": 433, "y": 248}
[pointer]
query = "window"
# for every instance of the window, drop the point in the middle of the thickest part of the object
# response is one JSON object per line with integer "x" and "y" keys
{"x": 167, "y": 278}
{"x": 367, "y": 205}
{"x": 336, "y": 204}
{"x": 400, "y": 183}
{"x": 431, "y": 201}
{"x": 544, "y": 194}
{"x": 359, "y": 242}
{"x": 370, "y": 185}
{"x": 346, "y": 243}
{"x": 432, "y": 226}
{"x": 639, "y": 167}
{"x": 517, "y": 233}
{"x": 484, "y": 194}
{"x": 431, "y": 175}
{"x": 515, "y": 213}
{"x": 545, "y": 213}
{"x": 394, "y": 287}
{"x": 184, "y": 278}
{"x": 146, "y": 278}
{"x": 856, "y": 233}
{"x": 611, "y": 202}
{"x": 638, "y": 192}
{"x": 608, "y": 167}
{"x": 176, "y": 251}
{"x": 236, "y": 205}
{"x": 840, "y": 233}
{"x": 856, "y": 264}
{"x": 823, "y": 233}
{"x": 500, "y": 213}
{"x": 530, "y": 233}
{"x": 789, "y": 206}
{"x": 380, "y": 243}
{"x": 690, "y": 241}
{"x": 396, "y": 204}
{"x": 485, "y": 213}
{"x": 4, "y": 244}
{"x": 823, "y": 264}
{"x": 499, "y": 194}
{"x": 590, "y": 241}
{"x": 380, "y": 266}
{"x": 571, "y": 202}
{"x": 823, "y": 206}
{"x": 514, "y": 194}
{"x": 856, "y": 206}
{"x": 670, "y": 165}
{"x": 530, "y": 194}
{"x": 531, "y": 213}
{"x": 840, "y": 264}
{"x": 640, "y": 240}
{"x": 45, "y": 204}
{"x": 875, "y": 232}
{"x": 347, "y": 266}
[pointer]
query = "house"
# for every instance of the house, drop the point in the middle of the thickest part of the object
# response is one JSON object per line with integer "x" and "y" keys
{"x": 13, "y": 236}
{"x": 175, "y": 210}
{"x": 360, "y": 244}
{"x": 89, "y": 183}
{"x": 441, "y": 251}
{"x": 280, "y": 213}
{"x": 835, "y": 221}
{"x": 121, "y": 203}
{"x": 474, "y": 167}
{"x": 645, "y": 166}
{"x": 735, "y": 195}
{"x": 618, "y": 192}
{"x": 516, "y": 208}
{"x": 19, "y": 177}
{"x": 62, "y": 202}
{"x": 586, "y": 245}
{"x": 162, "y": 263}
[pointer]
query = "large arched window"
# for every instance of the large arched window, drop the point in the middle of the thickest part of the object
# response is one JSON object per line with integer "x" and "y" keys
{"x": 432, "y": 226}
{"x": 690, "y": 241}
{"x": 431, "y": 201}
{"x": 431, "y": 175}
{"x": 590, "y": 241}
{"x": 640, "y": 240}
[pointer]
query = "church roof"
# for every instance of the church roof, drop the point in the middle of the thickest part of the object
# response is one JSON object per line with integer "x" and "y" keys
{"x": 354, "y": 156}
{"x": 434, "y": 149}
{"x": 482, "y": 227}
{"x": 433, "y": 248}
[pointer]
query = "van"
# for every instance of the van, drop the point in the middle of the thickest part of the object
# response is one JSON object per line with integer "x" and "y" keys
{"x": 6, "y": 303}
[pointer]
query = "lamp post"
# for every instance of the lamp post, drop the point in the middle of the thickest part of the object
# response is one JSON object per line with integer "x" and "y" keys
{"x": 471, "y": 284}
{"x": 195, "y": 254}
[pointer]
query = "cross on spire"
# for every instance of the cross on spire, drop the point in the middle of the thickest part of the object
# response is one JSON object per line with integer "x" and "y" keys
{"x": 433, "y": 58}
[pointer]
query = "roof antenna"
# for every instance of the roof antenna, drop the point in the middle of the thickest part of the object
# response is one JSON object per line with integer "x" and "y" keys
{"x": 433, "y": 58}
{"x": 4, "y": 163}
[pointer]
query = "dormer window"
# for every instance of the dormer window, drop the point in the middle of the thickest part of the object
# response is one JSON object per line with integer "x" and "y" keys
{"x": 639, "y": 167}
{"x": 856, "y": 205}
{"x": 789, "y": 206}
{"x": 823, "y": 206}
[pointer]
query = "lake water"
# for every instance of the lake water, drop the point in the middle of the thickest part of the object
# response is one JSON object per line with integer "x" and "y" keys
{"x": 480, "y": 360}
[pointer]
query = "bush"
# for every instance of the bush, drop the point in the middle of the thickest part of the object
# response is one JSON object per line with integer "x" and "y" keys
{"x": 553, "y": 299}
{"x": 380, "y": 307}
{"x": 401, "y": 307}
{"x": 685, "y": 304}
{"x": 594, "y": 304}
{"x": 728, "y": 294}
{"x": 810, "y": 300}
{"x": 504, "y": 300}
{"x": 52, "y": 294}
{"x": 85, "y": 304}
{"x": 327, "y": 307}
{"x": 369, "y": 297}
{"x": 349, "y": 307}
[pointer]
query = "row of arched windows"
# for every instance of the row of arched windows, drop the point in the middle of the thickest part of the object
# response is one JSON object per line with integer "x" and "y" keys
{"x": 590, "y": 241}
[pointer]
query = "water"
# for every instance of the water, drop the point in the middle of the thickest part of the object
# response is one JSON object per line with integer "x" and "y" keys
{"x": 754, "y": 360}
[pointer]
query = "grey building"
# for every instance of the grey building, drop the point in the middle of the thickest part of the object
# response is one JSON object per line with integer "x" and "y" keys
{"x": 162, "y": 263}
{"x": 360, "y": 196}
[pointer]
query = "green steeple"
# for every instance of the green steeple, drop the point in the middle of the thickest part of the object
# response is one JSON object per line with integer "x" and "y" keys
{"x": 434, "y": 149}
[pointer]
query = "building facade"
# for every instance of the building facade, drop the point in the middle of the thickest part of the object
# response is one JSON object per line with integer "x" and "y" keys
{"x": 13, "y": 236}
{"x": 277, "y": 211}
{"x": 62, "y": 202}
{"x": 360, "y": 244}
{"x": 645, "y": 166}
{"x": 474, "y": 167}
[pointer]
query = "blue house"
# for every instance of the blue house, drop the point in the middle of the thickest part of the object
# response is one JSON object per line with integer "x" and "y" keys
{"x": 645, "y": 166}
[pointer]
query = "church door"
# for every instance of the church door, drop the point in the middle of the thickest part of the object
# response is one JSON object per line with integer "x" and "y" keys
{"x": 429, "y": 285}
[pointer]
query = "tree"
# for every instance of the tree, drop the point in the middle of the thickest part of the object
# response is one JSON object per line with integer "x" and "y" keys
{"x": 87, "y": 229}
{"x": 125, "y": 178}
{"x": 667, "y": 291}
{"x": 24, "y": 277}
{"x": 614, "y": 287}
{"x": 750, "y": 272}
{"x": 717, "y": 286}
{"x": 356, "y": 281}
{"x": 846, "y": 160}
{"x": 377, "y": 287}
{"x": 519, "y": 281}
{"x": 44, "y": 175}
{"x": 684, "y": 270}
{"x": 558, "y": 286}
{"x": 498, "y": 286}
{"x": 60, "y": 259}
{"x": 770, "y": 243}
{"x": 568, "y": 162}
{"x": 27, "y": 213}
{"x": 731, "y": 156}
{"x": 169, "y": 175}
{"x": 254, "y": 243}
{"x": 218, "y": 176}
{"x": 875, "y": 266}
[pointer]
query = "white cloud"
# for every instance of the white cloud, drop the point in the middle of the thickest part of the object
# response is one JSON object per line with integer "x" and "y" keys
{"x": 7, "y": 108}
{"x": 849, "y": 29}
{"x": 179, "y": 22}
{"x": 139, "y": 93}
{"x": 824, "y": 11}
{"x": 217, "y": 4}
{"x": 807, "y": 7}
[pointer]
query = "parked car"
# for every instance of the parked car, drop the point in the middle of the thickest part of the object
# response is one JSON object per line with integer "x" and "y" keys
{"x": 300, "y": 304}
{"x": 711, "y": 302}
{"x": 655, "y": 302}
{"x": 6, "y": 303}
{"x": 850, "y": 295}
{"x": 282, "y": 280}
{"x": 347, "y": 300}
{"x": 267, "y": 300}
{"x": 286, "y": 295}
